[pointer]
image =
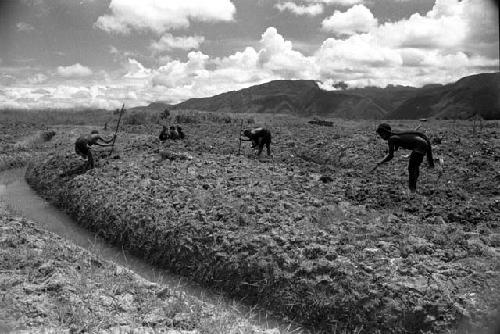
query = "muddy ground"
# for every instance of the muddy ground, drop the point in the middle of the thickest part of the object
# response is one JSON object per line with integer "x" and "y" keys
{"x": 310, "y": 233}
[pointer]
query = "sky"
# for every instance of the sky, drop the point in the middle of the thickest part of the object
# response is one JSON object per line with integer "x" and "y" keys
{"x": 102, "y": 53}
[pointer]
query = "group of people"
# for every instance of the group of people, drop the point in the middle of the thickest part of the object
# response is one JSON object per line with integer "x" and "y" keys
{"x": 415, "y": 141}
{"x": 174, "y": 133}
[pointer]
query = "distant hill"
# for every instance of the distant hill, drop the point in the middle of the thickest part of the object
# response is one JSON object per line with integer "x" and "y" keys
{"x": 152, "y": 107}
{"x": 389, "y": 97}
{"x": 473, "y": 95}
{"x": 296, "y": 97}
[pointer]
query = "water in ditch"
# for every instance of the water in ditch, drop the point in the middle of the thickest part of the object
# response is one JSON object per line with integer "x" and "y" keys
{"x": 24, "y": 201}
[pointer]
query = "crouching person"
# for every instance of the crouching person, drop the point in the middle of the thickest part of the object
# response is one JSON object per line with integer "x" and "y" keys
{"x": 163, "y": 134}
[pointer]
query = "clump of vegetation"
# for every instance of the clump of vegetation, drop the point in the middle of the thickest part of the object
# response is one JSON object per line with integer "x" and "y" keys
{"x": 47, "y": 135}
{"x": 165, "y": 114}
{"x": 135, "y": 118}
{"x": 35, "y": 117}
{"x": 321, "y": 122}
{"x": 194, "y": 116}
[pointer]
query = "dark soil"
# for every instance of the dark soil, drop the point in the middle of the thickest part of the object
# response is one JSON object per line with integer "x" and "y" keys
{"x": 357, "y": 252}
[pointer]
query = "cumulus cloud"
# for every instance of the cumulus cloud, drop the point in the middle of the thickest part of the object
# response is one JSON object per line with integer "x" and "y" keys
{"x": 451, "y": 26}
{"x": 25, "y": 27}
{"x": 311, "y": 10}
{"x": 37, "y": 78}
{"x": 136, "y": 70}
{"x": 454, "y": 39}
{"x": 424, "y": 32}
{"x": 40, "y": 91}
{"x": 357, "y": 19}
{"x": 357, "y": 55}
{"x": 75, "y": 70}
{"x": 337, "y": 2}
{"x": 168, "y": 42}
{"x": 278, "y": 56}
{"x": 202, "y": 76}
{"x": 7, "y": 80}
{"x": 177, "y": 73}
{"x": 160, "y": 16}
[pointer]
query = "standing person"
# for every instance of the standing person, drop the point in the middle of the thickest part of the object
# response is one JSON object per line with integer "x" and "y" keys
{"x": 259, "y": 137}
{"x": 415, "y": 141}
{"x": 83, "y": 143}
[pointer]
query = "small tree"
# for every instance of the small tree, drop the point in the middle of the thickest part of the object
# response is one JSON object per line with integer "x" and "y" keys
{"x": 340, "y": 84}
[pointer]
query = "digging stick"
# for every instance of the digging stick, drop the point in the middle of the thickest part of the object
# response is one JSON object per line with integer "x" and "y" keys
{"x": 239, "y": 146}
{"x": 116, "y": 130}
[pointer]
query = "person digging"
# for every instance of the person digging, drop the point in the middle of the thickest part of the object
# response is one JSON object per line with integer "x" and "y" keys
{"x": 259, "y": 137}
{"x": 83, "y": 143}
{"x": 415, "y": 141}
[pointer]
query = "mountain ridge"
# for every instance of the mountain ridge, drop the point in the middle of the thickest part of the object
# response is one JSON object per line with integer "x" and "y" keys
{"x": 472, "y": 96}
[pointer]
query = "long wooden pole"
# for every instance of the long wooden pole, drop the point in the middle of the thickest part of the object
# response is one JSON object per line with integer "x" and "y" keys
{"x": 239, "y": 145}
{"x": 116, "y": 130}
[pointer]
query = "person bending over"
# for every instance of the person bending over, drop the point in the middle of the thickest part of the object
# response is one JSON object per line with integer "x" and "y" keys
{"x": 180, "y": 132}
{"x": 163, "y": 134}
{"x": 83, "y": 143}
{"x": 415, "y": 141}
{"x": 173, "y": 133}
{"x": 259, "y": 137}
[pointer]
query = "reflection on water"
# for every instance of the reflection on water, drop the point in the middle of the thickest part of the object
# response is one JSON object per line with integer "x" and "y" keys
{"x": 24, "y": 201}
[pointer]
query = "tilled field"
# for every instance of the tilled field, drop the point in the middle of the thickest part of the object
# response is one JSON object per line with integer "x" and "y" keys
{"x": 50, "y": 285}
{"x": 356, "y": 252}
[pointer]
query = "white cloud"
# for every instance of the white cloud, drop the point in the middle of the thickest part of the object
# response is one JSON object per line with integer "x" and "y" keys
{"x": 278, "y": 56}
{"x": 168, "y": 42}
{"x": 135, "y": 70}
{"x": 37, "y": 78}
{"x": 40, "y": 91}
{"x": 311, "y": 10}
{"x": 359, "y": 53}
{"x": 357, "y": 19}
{"x": 176, "y": 73}
{"x": 75, "y": 70}
{"x": 423, "y": 32}
{"x": 160, "y": 16}
{"x": 7, "y": 80}
{"x": 451, "y": 26}
{"x": 202, "y": 76}
{"x": 25, "y": 27}
{"x": 453, "y": 40}
{"x": 337, "y": 2}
